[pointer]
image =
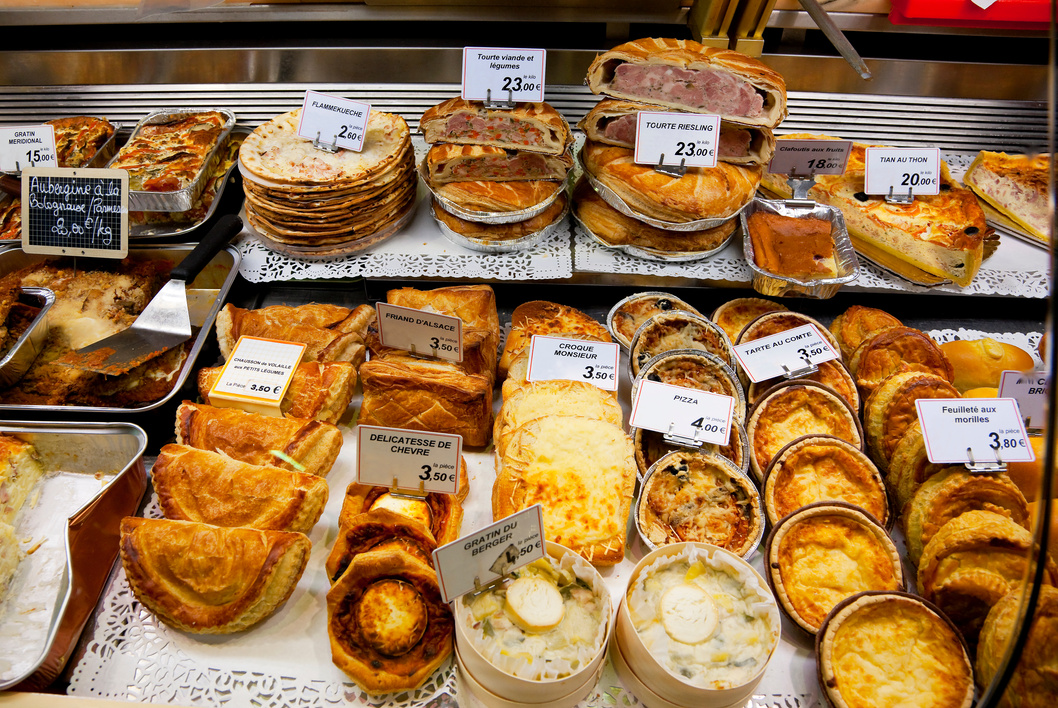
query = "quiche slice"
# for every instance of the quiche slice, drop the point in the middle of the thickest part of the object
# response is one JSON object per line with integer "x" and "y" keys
{"x": 934, "y": 239}
{"x": 1016, "y": 186}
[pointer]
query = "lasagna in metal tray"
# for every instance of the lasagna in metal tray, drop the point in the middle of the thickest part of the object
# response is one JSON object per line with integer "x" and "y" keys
{"x": 168, "y": 156}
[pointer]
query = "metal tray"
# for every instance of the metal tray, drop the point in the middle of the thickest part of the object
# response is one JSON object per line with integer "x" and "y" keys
{"x": 510, "y": 246}
{"x": 22, "y": 353}
{"x": 94, "y": 477}
{"x": 492, "y": 217}
{"x": 206, "y": 295}
{"x": 181, "y": 199}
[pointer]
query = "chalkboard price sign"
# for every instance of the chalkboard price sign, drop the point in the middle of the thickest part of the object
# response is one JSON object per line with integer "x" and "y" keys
{"x": 75, "y": 212}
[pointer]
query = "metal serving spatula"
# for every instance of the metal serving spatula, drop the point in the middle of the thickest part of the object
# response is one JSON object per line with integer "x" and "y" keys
{"x": 164, "y": 323}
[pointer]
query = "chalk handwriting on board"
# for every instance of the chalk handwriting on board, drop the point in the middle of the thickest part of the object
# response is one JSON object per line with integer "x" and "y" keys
{"x": 79, "y": 212}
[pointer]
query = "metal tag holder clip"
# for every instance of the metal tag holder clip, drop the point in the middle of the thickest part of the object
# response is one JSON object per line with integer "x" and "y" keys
{"x": 975, "y": 467}
{"x": 900, "y": 198}
{"x": 799, "y": 186}
{"x": 408, "y": 493}
{"x": 671, "y": 170}
{"x": 508, "y": 105}
{"x": 808, "y": 368}
{"x": 326, "y": 147}
{"x": 692, "y": 442}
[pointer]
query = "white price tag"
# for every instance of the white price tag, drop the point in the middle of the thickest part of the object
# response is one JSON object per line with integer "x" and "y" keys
{"x": 1030, "y": 391}
{"x": 517, "y": 74}
{"x": 902, "y": 169}
{"x": 420, "y": 332}
{"x": 983, "y": 430}
{"x": 480, "y": 558}
{"x": 408, "y": 458}
{"x": 683, "y": 412}
{"x": 27, "y": 146}
{"x": 810, "y": 157}
{"x": 256, "y": 375}
{"x": 334, "y": 120}
{"x": 675, "y": 138}
{"x": 763, "y": 359}
{"x": 573, "y": 360}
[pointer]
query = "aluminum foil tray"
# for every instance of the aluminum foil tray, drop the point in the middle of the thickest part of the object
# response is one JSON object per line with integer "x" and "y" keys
{"x": 768, "y": 283}
{"x": 181, "y": 199}
{"x": 94, "y": 476}
{"x": 206, "y": 295}
{"x": 490, "y": 217}
{"x": 509, "y": 246}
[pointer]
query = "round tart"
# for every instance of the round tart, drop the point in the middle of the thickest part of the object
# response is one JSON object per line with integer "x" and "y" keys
{"x": 1034, "y": 682}
{"x": 822, "y": 468}
{"x": 952, "y": 492}
{"x": 700, "y": 497}
{"x": 651, "y": 446}
{"x": 389, "y": 627}
{"x": 669, "y": 331}
{"x": 890, "y": 409}
{"x": 774, "y": 322}
{"x": 502, "y": 232}
{"x": 829, "y": 373}
{"x": 894, "y": 350}
{"x": 627, "y": 315}
{"x": 795, "y": 409}
{"x": 909, "y": 466}
{"x": 858, "y": 323}
{"x": 441, "y": 514}
{"x": 694, "y": 369}
{"x": 884, "y": 649}
{"x": 971, "y": 563}
{"x": 498, "y": 197}
{"x": 376, "y": 530}
{"x": 824, "y": 553}
{"x": 734, "y": 315}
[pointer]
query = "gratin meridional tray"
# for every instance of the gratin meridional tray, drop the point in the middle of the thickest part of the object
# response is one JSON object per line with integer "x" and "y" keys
{"x": 93, "y": 477}
{"x": 205, "y": 296}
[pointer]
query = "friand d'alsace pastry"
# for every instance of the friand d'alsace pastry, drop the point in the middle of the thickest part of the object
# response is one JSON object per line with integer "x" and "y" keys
{"x": 735, "y": 314}
{"x": 209, "y": 579}
{"x": 1033, "y": 682}
{"x": 582, "y": 472}
{"x": 329, "y": 332}
{"x": 890, "y": 409}
{"x": 1015, "y": 186}
{"x": 388, "y": 625}
{"x": 825, "y": 553}
{"x": 613, "y": 121}
{"x": 822, "y": 468}
{"x": 317, "y": 391}
{"x": 550, "y": 319}
{"x": 857, "y": 324}
{"x": 208, "y": 487}
{"x": 895, "y": 350}
{"x": 684, "y": 75}
{"x": 879, "y": 648}
{"x": 701, "y": 497}
{"x": 628, "y": 314}
{"x": 376, "y": 530}
{"x": 933, "y": 239}
{"x": 677, "y": 329}
{"x": 311, "y": 445}
{"x": 556, "y": 397}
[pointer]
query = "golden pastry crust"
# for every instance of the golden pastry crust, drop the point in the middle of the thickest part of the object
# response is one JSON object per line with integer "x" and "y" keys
{"x": 517, "y": 374}
{"x": 822, "y": 468}
{"x": 534, "y": 127}
{"x": 878, "y": 648}
{"x": 449, "y": 162}
{"x": 502, "y": 232}
{"x": 494, "y": 197}
{"x": 626, "y": 318}
{"x": 1034, "y": 682}
{"x": 547, "y": 318}
{"x": 474, "y": 304}
{"x": 388, "y": 636}
{"x": 208, "y": 487}
{"x": 582, "y": 472}
{"x": 832, "y": 374}
{"x": 253, "y": 438}
{"x": 771, "y": 323}
{"x": 315, "y": 325}
{"x": 677, "y": 329}
{"x": 909, "y": 466}
{"x": 894, "y": 350}
{"x": 971, "y": 563}
{"x": 952, "y": 492}
{"x": 557, "y": 397}
{"x": 208, "y": 579}
{"x": 825, "y": 553}
{"x": 795, "y": 409}
{"x": 375, "y": 530}
{"x": 979, "y": 363}
{"x": 890, "y": 409}
{"x": 700, "y": 497}
{"x": 736, "y": 70}
{"x": 317, "y": 391}
{"x": 697, "y": 370}
{"x": 734, "y": 315}
{"x": 702, "y": 193}
{"x": 616, "y": 229}
{"x": 858, "y": 323}
{"x": 650, "y": 446}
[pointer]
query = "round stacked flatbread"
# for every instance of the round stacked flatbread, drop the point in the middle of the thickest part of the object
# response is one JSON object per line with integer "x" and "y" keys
{"x": 302, "y": 196}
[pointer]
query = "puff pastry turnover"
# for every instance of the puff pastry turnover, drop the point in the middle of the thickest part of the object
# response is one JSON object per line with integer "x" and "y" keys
{"x": 329, "y": 332}
{"x": 376, "y": 530}
{"x": 317, "y": 391}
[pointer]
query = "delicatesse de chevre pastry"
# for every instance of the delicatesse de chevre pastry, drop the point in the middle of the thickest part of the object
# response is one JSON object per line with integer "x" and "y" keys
{"x": 532, "y": 127}
{"x": 582, "y": 472}
{"x": 378, "y": 530}
{"x": 684, "y": 75}
{"x": 209, "y": 579}
{"x": 388, "y": 625}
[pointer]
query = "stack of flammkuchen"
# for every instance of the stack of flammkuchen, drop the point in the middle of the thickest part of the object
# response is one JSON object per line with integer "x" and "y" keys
{"x": 488, "y": 162}
{"x": 303, "y": 197}
{"x": 676, "y": 75}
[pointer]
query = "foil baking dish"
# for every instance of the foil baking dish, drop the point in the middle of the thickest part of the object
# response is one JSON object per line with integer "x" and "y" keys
{"x": 180, "y": 199}
{"x": 491, "y": 217}
{"x": 508, "y": 246}
{"x": 205, "y": 295}
{"x": 94, "y": 476}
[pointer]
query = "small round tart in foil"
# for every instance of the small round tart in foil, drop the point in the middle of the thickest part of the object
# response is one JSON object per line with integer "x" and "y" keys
{"x": 627, "y": 315}
{"x": 677, "y": 329}
{"x": 651, "y": 446}
{"x": 695, "y": 369}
